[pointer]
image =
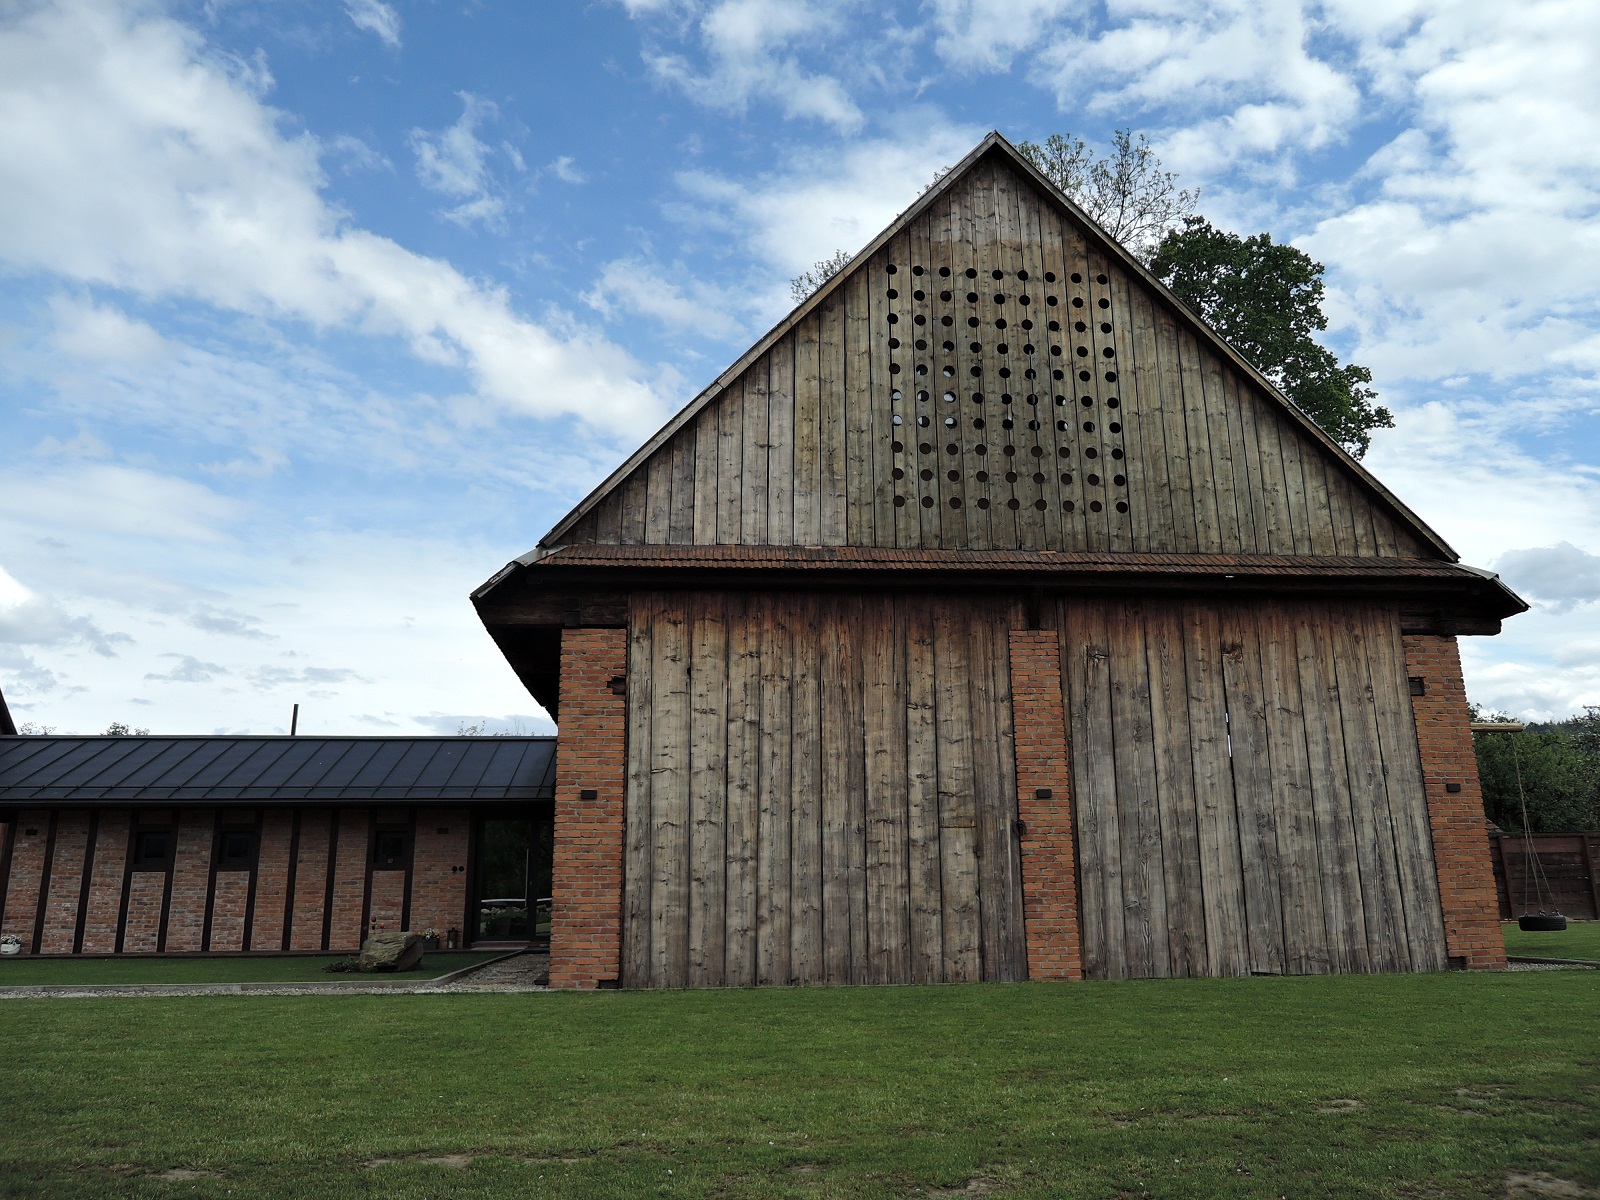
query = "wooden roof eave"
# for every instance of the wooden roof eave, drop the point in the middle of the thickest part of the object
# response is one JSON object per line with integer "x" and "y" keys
{"x": 994, "y": 142}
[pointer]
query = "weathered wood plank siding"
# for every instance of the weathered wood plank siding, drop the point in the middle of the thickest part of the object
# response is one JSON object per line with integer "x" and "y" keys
{"x": 1248, "y": 788}
{"x": 991, "y": 379}
{"x": 822, "y": 789}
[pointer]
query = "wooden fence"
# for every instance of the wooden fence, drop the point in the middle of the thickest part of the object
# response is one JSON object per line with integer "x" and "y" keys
{"x": 1570, "y": 863}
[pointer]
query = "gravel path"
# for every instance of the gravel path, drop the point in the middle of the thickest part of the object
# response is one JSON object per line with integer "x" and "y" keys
{"x": 519, "y": 973}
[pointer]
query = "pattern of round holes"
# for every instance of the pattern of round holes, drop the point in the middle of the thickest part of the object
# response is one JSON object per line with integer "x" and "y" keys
{"x": 976, "y": 369}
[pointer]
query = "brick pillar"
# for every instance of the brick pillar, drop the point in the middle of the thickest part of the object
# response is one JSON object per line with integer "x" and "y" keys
{"x": 1461, "y": 851}
{"x": 1049, "y": 861}
{"x": 591, "y": 756}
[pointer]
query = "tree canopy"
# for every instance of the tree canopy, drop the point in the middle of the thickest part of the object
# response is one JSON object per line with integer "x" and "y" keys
{"x": 1554, "y": 768}
{"x": 824, "y": 269}
{"x": 1265, "y": 298}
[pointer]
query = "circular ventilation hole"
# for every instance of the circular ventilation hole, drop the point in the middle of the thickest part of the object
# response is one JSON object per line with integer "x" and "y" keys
{"x": 1067, "y": 506}
{"x": 1000, "y": 323}
{"x": 1005, "y": 397}
{"x": 1090, "y": 452}
{"x": 1038, "y": 452}
{"x": 918, "y": 271}
{"x": 1032, "y": 398}
{"x": 945, "y": 296}
{"x": 955, "y": 501}
{"x": 1111, "y": 376}
{"x": 1064, "y": 452}
{"x": 1077, "y": 302}
{"x": 892, "y": 294}
{"x": 925, "y": 474}
{"x": 1122, "y": 506}
{"x": 921, "y": 343}
{"x": 899, "y": 501}
{"x": 1103, "y": 302}
{"x": 999, "y": 298}
{"x": 977, "y": 422}
{"x": 919, "y": 295}
{"x": 1027, "y": 324}
{"x": 897, "y": 447}
{"x": 927, "y": 502}
{"x": 1108, "y": 352}
{"x": 1083, "y": 352}
{"x": 1120, "y": 480}
{"x": 971, "y": 273}
{"x": 922, "y": 397}
{"x": 972, "y": 322}
{"x": 1033, "y": 425}
{"x": 922, "y": 421}
{"x": 1010, "y": 451}
{"x": 898, "y": 473}
{"x": 1054, "y": 327}
{"x": 949, "y": 397}
{"x": 975, "y": 370}
{"x": 953, "y": 476}
{"x": 983, "y": 502}
{"x": 1051, "y": 301}
{"x": 920, "y": 319}
{"x": 1013, "y": 503}
{"x": 894, "y": 319}
{"x": 952, "y": 448}
{"x": 949, "y": 372}
{"x": 1080, "y": 327}
{"x": 949, "y": 422}
{"x": 1076, "y": 278}
{"x": 1022, "y": 300}
{"x": 1113, "y": 402}
{"x": 998, "y": 274}
{"x": 1092, "y": 480}
{"x": 1058, "y": 374}
{"x": 1066, "y": 477}
{"x": 1105, "y": 326}
{"x": 982, "y": 477}
{"x": 1084, "y": 376}
{"x": 1039, "y": 504}
{"x": 947, "y": 320}
{"x": 891, "y": 269}
{"x": 894, "y": 368}
{"x": 949, "y": 347}
{"x": 972, "y": 297}
{"x": 895, "y": 395}
{"x": 980, "y": 449}
{"x": 1022, "y": 275}
{"x": 1094, "y": 505}
{"x": 976, "y": 347}
{"x": 924, "y": 448}
{"x": 944, "y": 272}
{"x": 977, "y": 397}
{"x": 1097, "y": 278}
{"x": 1049, "y": 276}
{"x": 922, "y": 368}
{"x": 1060, "y": 401}
{"x": 1061, "y": 426}
{"x": 1003, "y": 348}
{"x": 898, "y": 419}
{"x": 1027, "y": 348}
{"x": 1038, "y": 476}
{"x": 1088, "y": 426}
{"x": 1005, "y": 372}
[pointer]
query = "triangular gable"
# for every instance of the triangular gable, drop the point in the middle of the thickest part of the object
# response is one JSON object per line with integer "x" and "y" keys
{"x": 994, "y": 371}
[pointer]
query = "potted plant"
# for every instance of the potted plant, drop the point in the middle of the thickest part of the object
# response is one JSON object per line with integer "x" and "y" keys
{"x": 430, "y": 938}
{"x": 10, "y": 944}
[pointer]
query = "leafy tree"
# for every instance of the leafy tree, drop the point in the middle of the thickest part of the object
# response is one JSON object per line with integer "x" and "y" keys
{"x": 1266, "y": 299}
{"x": 803, "y": 284}
{"x": 1554, "y": 768}
{"x": 118, "y": 729}
{"x": 1126, "y": 192}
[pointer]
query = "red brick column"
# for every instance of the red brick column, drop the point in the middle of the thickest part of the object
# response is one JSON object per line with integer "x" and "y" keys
{"x": 66, "y": 882}
{"x": 27, "y": 875}
{"x": 350, "y": 880}
{"x": 1049, "y": 862}
{"x": 439, "y": 871}
{"x": 228, "y": 902}
{"x": 105, "y": 882}
{"x": 1460, "y": 846}
{"x": 191, "y": 877}
{"x": 272, "y": 879}
{"x": 591, "y": 756}
{"x": 311, "y": 878}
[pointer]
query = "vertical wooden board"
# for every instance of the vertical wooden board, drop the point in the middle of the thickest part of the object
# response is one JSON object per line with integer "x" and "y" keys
{"x": 753, "y": 473}
{"x": 707, "y": 450}
{"x": 608, "y": 519}
{"x": 956, "y": 222}
{"x": 1305, "y": 935}
{"x": 1253, "y": 783}
{"x": 836, "y": 672}
{"x": 922, "y": 799}
{"x": 1383, "y": 534}
{"x": 884, "y": 714}
{"x": 904, "y": 486}
{"x": 1408, "y": 803}
{"x": 917, "y": 405}
{"x": 1202, "y": 474}
{"x": 1381, "y": 897}
{"x": 1255, "y": 504}
{"x": 669, "y": 793}
{"x": 1175, "y": 791}
{"x": 780, "y": 441}
{"x": 1184, "y": 533}
{"x": 806, "y": 956}
{"x": 1040, "y": 385}
{"x": 1221, "y": 867}
{"x": 1087, "y": 667}
{"x": 708, "y": 790}
{"x": 879, "y": 406}
{"x": 1342, "y": 912}
{"x": 1281, "y": 485}
{"x": 773, "y": 849}
{"x": 807, "y": 431}
{"x": 1078, "y": 333}
{"x": 857, "y": 634}
{"x": 680, "y": 519}
{"x": 958, "y": 834}
{"x": 1223, "y": 482}
{"x": 1144, "y": 891}
{"x": 744, "y": 784}
{"x": 1148, "y": 493}
{"x": 1109, "y": 383}
{"x": 1360, "y": 509}
{"x": 730, "y": 464}
{"x": 1064, "y": 395}
{"x": 635, "y": 508}
{"x": 637, "y": 824}
{"x": 1005, "y": 503}
{"x": 1028, "y": 489}
{"x": 832, "y": 384}
{"x": 1318, "y": 517}
{"x": 1004, "y": 941}
{"x": 658, "y": 506}
{"x": 859, "y": 338}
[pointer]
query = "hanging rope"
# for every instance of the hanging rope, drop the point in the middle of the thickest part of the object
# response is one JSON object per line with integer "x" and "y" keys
{"x": 1531, "y": 869}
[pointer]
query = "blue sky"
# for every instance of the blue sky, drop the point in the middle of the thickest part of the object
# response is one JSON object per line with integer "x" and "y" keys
{"x": 313, "y": 315}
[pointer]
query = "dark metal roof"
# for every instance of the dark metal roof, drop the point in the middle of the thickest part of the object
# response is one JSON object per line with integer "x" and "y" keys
{"x": 274, "y": 770}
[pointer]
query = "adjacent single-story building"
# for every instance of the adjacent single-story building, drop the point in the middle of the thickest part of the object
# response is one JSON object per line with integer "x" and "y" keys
{"x": 137, "y": 845}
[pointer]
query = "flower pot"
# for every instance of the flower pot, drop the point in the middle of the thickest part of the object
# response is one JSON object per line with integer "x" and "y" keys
{"x": 430, "y": 943}
{"x": 10, "y": 949}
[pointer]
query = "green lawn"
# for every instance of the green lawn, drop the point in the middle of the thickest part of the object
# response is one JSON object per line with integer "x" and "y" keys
{"x": 1378, "y": 1086}
{"x": 1580, "y": 939}
{"x": 86, "y": 972}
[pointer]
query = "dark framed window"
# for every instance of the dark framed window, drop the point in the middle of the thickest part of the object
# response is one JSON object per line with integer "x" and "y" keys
{"x": 236, "y": 850}
{"x": 152, "y": 849}
{"x": 389, "y": 850}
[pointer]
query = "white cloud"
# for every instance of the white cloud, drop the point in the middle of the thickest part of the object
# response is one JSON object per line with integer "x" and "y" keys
{"x": 1561, "y": 574}
{"x": 213, "y": 202}
{"x": 92, "y": 331}
{"x": 566, "y": 170}
{"x": 376, "y": 17}
{"x": 188, "y": 669}
{"x": 988, "y": 34}
{"x": 455, "y": 163}
{"x": 121, "y": 501}
{"x": 750, "y": 48}
{"x": 682, "y": 304}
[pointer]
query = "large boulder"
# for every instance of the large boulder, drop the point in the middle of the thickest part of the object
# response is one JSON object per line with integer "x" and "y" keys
{"x": 391, "y": 952}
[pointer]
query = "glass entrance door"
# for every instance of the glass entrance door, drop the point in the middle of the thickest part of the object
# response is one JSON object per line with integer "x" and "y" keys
{"x": 513, "y": 902}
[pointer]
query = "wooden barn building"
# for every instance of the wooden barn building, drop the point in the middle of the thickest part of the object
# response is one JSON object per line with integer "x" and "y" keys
{"x": 992, "y": 618}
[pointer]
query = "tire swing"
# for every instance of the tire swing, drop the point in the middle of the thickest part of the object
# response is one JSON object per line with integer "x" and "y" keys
{"x": 1542, "y": 921}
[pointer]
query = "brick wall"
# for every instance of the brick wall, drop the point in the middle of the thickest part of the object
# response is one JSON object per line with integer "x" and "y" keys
{"x": 27, "y": 874}
{"x": 438, "y": 871}
{"x": 386, "y": 906}
{"x": 311, "y": 879}
{"x": 66, "y": 882}
{"x": 586, "y": 926}
{"x": 105, "y": 882}
{"x": 191, "y": 877}
{"x": 142, "y": 933}
{"x": 350, "y": 880}
{"x": 1049, "y": 863}
{"x": 227, "y": 910}
{"x": 272, "y": 879}
{"x": 1460, "y": 844}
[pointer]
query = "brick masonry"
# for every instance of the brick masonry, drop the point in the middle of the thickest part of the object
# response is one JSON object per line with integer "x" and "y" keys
{"x": 586, "y": 928}
{"x": 439, "y": 871}
{"x": 27, "y": 875}
{"x": 350, "y": 879}
{"x": 1049, "y": 852}
{"x": 191, "y": 878}
{"x": 387, "y": 903}
{"x": 105, "y": 882}
{"x": 66, "y": 882}
{"x": 272, "y": 879}
{"x": 142, "y": 933}
{"x": 227, "y": 910}
{"x": 1460, "y": 844}
{"x": 311, "y": 879}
